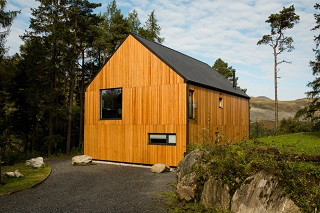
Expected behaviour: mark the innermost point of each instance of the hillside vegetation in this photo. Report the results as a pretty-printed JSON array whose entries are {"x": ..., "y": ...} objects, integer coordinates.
[
  {"x": 262, "y": 108},
  {"x": 293, "y": 159}
]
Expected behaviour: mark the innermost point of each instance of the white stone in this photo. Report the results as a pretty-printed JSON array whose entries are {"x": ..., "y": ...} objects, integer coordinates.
[
  {"x": 159, "y": 168},
  {"x": 10, "y": 174},
  {"x": 17, "y": 174},
  {"x": 81, "y": 160},
  {"x": 35, "y": 162}
]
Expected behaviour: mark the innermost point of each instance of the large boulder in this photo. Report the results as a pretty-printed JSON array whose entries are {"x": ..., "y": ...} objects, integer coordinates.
[
  {"x": 81, "y": 160},
  {"x": 260, "y": 193},
  {"x": 35, "y": 162},
  {"x": 159, "y": 168},
  {"x": 187, "y": 162},
  {"x": 187, "y": 187},
  {"x": 216, "y": 195}
]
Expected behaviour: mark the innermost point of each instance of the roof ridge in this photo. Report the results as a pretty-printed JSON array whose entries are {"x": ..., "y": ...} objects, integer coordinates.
[{"x": 134, "y": 34}]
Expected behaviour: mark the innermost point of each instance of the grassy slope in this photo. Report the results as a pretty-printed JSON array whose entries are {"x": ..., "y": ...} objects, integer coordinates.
[
  {"x": 298, "y": 143},
  {"x": 31, "y": 177}
]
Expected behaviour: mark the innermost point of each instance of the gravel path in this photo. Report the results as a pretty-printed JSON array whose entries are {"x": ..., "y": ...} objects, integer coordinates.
[{"x": 95, "y": 188}]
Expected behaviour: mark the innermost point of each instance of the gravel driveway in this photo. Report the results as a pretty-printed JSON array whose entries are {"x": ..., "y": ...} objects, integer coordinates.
[{"x": 95, "y": 188}]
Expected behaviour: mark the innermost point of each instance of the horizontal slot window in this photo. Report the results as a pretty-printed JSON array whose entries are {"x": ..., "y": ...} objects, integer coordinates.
[{"x": 162, "y": 139}]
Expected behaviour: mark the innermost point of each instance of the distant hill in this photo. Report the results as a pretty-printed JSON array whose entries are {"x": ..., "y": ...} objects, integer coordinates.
[{"x": 262, "y": 108}]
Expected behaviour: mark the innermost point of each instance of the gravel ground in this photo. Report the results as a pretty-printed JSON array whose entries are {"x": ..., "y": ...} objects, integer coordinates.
[{"x": 95, "y": 188}]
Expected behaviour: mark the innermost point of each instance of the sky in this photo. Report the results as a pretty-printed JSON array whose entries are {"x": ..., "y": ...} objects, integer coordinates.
[{"x": 226, "y": 29}]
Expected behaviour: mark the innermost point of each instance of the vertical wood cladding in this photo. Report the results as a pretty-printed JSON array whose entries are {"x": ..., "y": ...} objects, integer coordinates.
[
  {"x": 218, "y": 116},
  {"x": 153, "y": 101}
]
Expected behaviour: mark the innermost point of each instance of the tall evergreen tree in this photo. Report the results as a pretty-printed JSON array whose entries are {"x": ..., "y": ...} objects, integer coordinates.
[
  {"x": 223, "y": 68},
  {"x": 279, "y": 23},
  {"x": 227, "y": 71},
  {"x": 313, "y": 109},
  {"x": 49, "y": 24},
  {"x": 6, "y": 134},
  {"x": 151, "y": 29},
  {"x": 134, "y": 21},
  {"x": 80, "y": 18},
  {"x": 113, "y": 30}
]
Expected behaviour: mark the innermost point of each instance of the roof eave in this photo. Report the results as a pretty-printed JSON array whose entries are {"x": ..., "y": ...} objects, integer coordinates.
[{"x": 218, "y": 89}]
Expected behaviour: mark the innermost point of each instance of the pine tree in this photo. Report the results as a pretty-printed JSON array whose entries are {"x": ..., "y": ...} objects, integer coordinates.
[
  {"x": 151, "y": 29},
  {"x": 6, "y": 135},
  {"x": 279, "y": 23}
]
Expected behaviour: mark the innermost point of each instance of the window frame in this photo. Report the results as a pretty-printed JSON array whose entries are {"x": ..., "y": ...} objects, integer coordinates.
[
  {"x": 220, "y": 102},
  {"x": 191, "y": 111},
  {"x": 117, "y": 109},
  {"x": 167, "y": 139}
]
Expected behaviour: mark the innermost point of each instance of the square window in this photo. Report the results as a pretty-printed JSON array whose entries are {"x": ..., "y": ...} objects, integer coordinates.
[
  {"x": 111, "y": 104},
  {"x": 162, "y": 139}
]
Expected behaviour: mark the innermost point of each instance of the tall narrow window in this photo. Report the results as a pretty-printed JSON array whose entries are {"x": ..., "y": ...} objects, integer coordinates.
[
  {"x": 190, "y": 105},
  {"x": 111, "y": 104},
  {"x": 221, "y": 103}
]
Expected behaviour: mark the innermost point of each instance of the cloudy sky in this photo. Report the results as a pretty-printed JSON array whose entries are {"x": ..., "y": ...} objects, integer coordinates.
[{"x": 226, "y": 29}]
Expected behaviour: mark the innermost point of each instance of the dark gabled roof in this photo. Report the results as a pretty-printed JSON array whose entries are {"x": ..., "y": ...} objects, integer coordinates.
[{"x": 191, "y": 70}]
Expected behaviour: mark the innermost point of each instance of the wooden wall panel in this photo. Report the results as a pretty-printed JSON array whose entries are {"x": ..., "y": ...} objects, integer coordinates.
[
  {"x": 230, "y": 123},
  {"x": 153, "y": 101}
]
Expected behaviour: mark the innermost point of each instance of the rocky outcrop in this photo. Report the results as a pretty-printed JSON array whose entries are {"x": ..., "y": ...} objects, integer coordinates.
[
  {"x": 35, "y": 162},
  {"x": 187, "y": 187},
  {"x": 81, "y": 160},
  {"x": 159, "y": 168},
  {"x": 216, "y": 195},
  {"x": 187, "y": 162},
  {"x": 260, "y": 193}
]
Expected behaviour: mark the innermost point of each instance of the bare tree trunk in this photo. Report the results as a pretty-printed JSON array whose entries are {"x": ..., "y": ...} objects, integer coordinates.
[{"x": 275, "y": 90}]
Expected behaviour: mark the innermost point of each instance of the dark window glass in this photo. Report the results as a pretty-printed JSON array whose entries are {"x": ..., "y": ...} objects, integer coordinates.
[
  {"x": 190, "y": 105},
  {"x": 162, "y": 139},
  {"x": 111, "y": 104}
]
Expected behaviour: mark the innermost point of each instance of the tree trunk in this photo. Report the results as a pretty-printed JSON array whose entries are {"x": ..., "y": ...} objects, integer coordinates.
[
  {"x": 72, "y": 83},
  {"x": 275, "y": 90},
  {"x": 81, "y": 104}
]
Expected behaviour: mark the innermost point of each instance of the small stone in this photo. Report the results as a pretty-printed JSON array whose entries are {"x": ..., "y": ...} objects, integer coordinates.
[
  {"x": 17, "y": 174},
  {"x": 10, "y": 174},
  {"x": 81, "y": 160},
  {"x": 159, "y": 168}
]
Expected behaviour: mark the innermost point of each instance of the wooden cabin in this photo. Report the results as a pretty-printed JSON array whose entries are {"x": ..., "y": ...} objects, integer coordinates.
[{"x": 149, "y": 102}]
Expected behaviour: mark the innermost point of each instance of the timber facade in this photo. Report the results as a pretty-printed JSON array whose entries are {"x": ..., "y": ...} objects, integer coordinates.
[{"x": 149, "y": 102}]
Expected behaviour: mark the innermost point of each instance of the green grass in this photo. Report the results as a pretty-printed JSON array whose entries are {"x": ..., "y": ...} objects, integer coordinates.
[
  {"x": 31, "y": 178},
  {"x": 298, "y": 143}
]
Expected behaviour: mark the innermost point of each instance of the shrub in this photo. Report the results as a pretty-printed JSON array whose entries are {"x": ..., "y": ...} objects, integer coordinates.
[{"x": 294, "y": 125}]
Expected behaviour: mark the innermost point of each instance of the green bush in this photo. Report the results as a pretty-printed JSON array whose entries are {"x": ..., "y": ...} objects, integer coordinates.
[{"x": 294, "y": 125}]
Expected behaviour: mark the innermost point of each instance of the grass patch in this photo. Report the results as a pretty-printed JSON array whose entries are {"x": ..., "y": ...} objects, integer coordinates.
[
  {"x": 31, "y": 178},
  {"x": 297, "y": 143}
]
